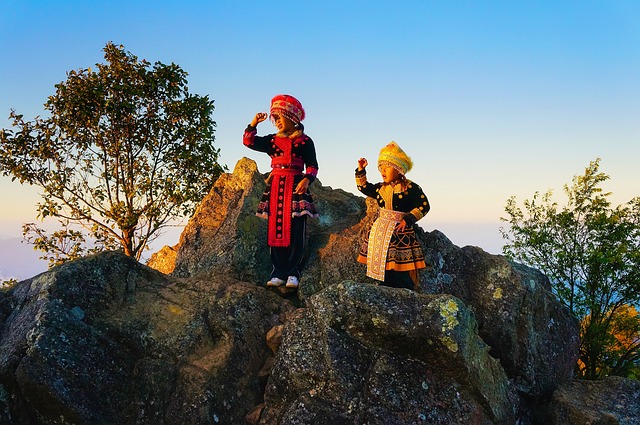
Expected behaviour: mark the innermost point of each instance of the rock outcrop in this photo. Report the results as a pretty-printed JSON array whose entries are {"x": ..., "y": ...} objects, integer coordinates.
[
  {"x": 375, "y": 355},
  {"x": 526, "y": 327},
  {"x": 612, "y": 400},
  {"x": 531, "y": 333},
  {"x": 225, "y": 237},
  {"x": 106, "y": 340},
  {"x": 164, "y": 260}
]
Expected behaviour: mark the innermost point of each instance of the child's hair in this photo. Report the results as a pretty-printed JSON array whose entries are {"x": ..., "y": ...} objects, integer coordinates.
[
  {"x": 402, "y": 180},
  {"x": 300, "y": 126}
]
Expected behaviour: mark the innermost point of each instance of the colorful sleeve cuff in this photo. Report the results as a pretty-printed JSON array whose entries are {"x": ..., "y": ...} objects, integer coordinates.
[
  {"x": 249, "y": 135},
  {"x": 361, "y": 177},
  {"x": 311, "y": 173},
  {"x": 416, "y": 214},
  {"x": 410, "y": 219}
]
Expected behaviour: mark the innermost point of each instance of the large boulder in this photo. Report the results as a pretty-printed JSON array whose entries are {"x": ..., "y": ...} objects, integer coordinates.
[
  {"x": 528, "y": 329},
  {"x": 224, "y": 236},
  {"x": 375, "y": 355},
  {"x": 106, "y": 340},
  {"x": 609, "y": 401}
]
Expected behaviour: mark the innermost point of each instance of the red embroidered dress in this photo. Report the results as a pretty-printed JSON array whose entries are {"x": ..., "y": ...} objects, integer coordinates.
[{"x": 292, "y": 159}]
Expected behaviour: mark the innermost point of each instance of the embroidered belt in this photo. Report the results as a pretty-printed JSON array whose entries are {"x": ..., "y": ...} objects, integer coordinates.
[
  {"x": 287, "y": 162},
  {"x": 379, "y": 239},
  {"x": 287, "y": 167},
  {"x": 279, "y": 234}
]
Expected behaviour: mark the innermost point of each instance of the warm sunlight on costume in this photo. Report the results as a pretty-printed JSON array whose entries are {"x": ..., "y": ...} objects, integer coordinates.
[{"x": 387, "y": 249}]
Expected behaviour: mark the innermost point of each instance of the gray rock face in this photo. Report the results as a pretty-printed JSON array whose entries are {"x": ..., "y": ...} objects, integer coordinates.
[
  {"x": 225, "y": 237},
  {"x": 531, "y": 333},
  {"x": 106, "y": 340},
  {"x": 365, "y": 354},
  {"x": 612, "y": 400}
]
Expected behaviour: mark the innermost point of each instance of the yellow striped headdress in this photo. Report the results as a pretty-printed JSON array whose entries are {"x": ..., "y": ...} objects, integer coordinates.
[{"x": 391, "y": 155}]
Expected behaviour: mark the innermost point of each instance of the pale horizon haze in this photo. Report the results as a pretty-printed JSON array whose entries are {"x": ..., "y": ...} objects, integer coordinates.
[{"x": 490, "y": 99}]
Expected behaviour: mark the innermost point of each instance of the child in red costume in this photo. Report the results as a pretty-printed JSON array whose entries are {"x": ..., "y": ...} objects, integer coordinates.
[
  {"x": 286, "y": 201},
  {"x": 391, "y": 252}
]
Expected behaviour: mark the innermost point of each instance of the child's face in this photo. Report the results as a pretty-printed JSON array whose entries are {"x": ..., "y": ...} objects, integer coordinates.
[
  {"x": 389, "y": 174},
  {"x": 284, "y": 124}
]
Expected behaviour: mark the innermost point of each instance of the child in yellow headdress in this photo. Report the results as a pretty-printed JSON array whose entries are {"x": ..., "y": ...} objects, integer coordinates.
[{"x": 391, "y": 252}]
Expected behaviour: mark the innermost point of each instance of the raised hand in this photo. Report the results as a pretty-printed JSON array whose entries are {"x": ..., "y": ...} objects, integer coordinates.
[
  {"x": 362, "y": 164},
  {"x": 260, "y": 116}
]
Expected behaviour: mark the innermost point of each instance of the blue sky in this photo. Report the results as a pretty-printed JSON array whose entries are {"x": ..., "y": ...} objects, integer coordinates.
[{"x": 490, "y": 99}]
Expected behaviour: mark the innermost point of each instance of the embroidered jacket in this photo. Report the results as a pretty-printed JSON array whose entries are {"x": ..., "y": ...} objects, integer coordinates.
[
  {"x": 295, "y": 152},
  {"x": 408, "y": 198},
  {"x": 292, "y": 159}
]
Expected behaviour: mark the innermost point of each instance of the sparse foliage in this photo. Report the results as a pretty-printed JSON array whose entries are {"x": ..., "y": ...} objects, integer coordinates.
[
  {"x": 591, "y": 254},
  {"x": 125, "y": 150},
  {"x": 8, "y": 283}
]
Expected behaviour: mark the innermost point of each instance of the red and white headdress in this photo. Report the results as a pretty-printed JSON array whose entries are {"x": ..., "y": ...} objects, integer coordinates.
[{"x": 287, "y": 106}]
